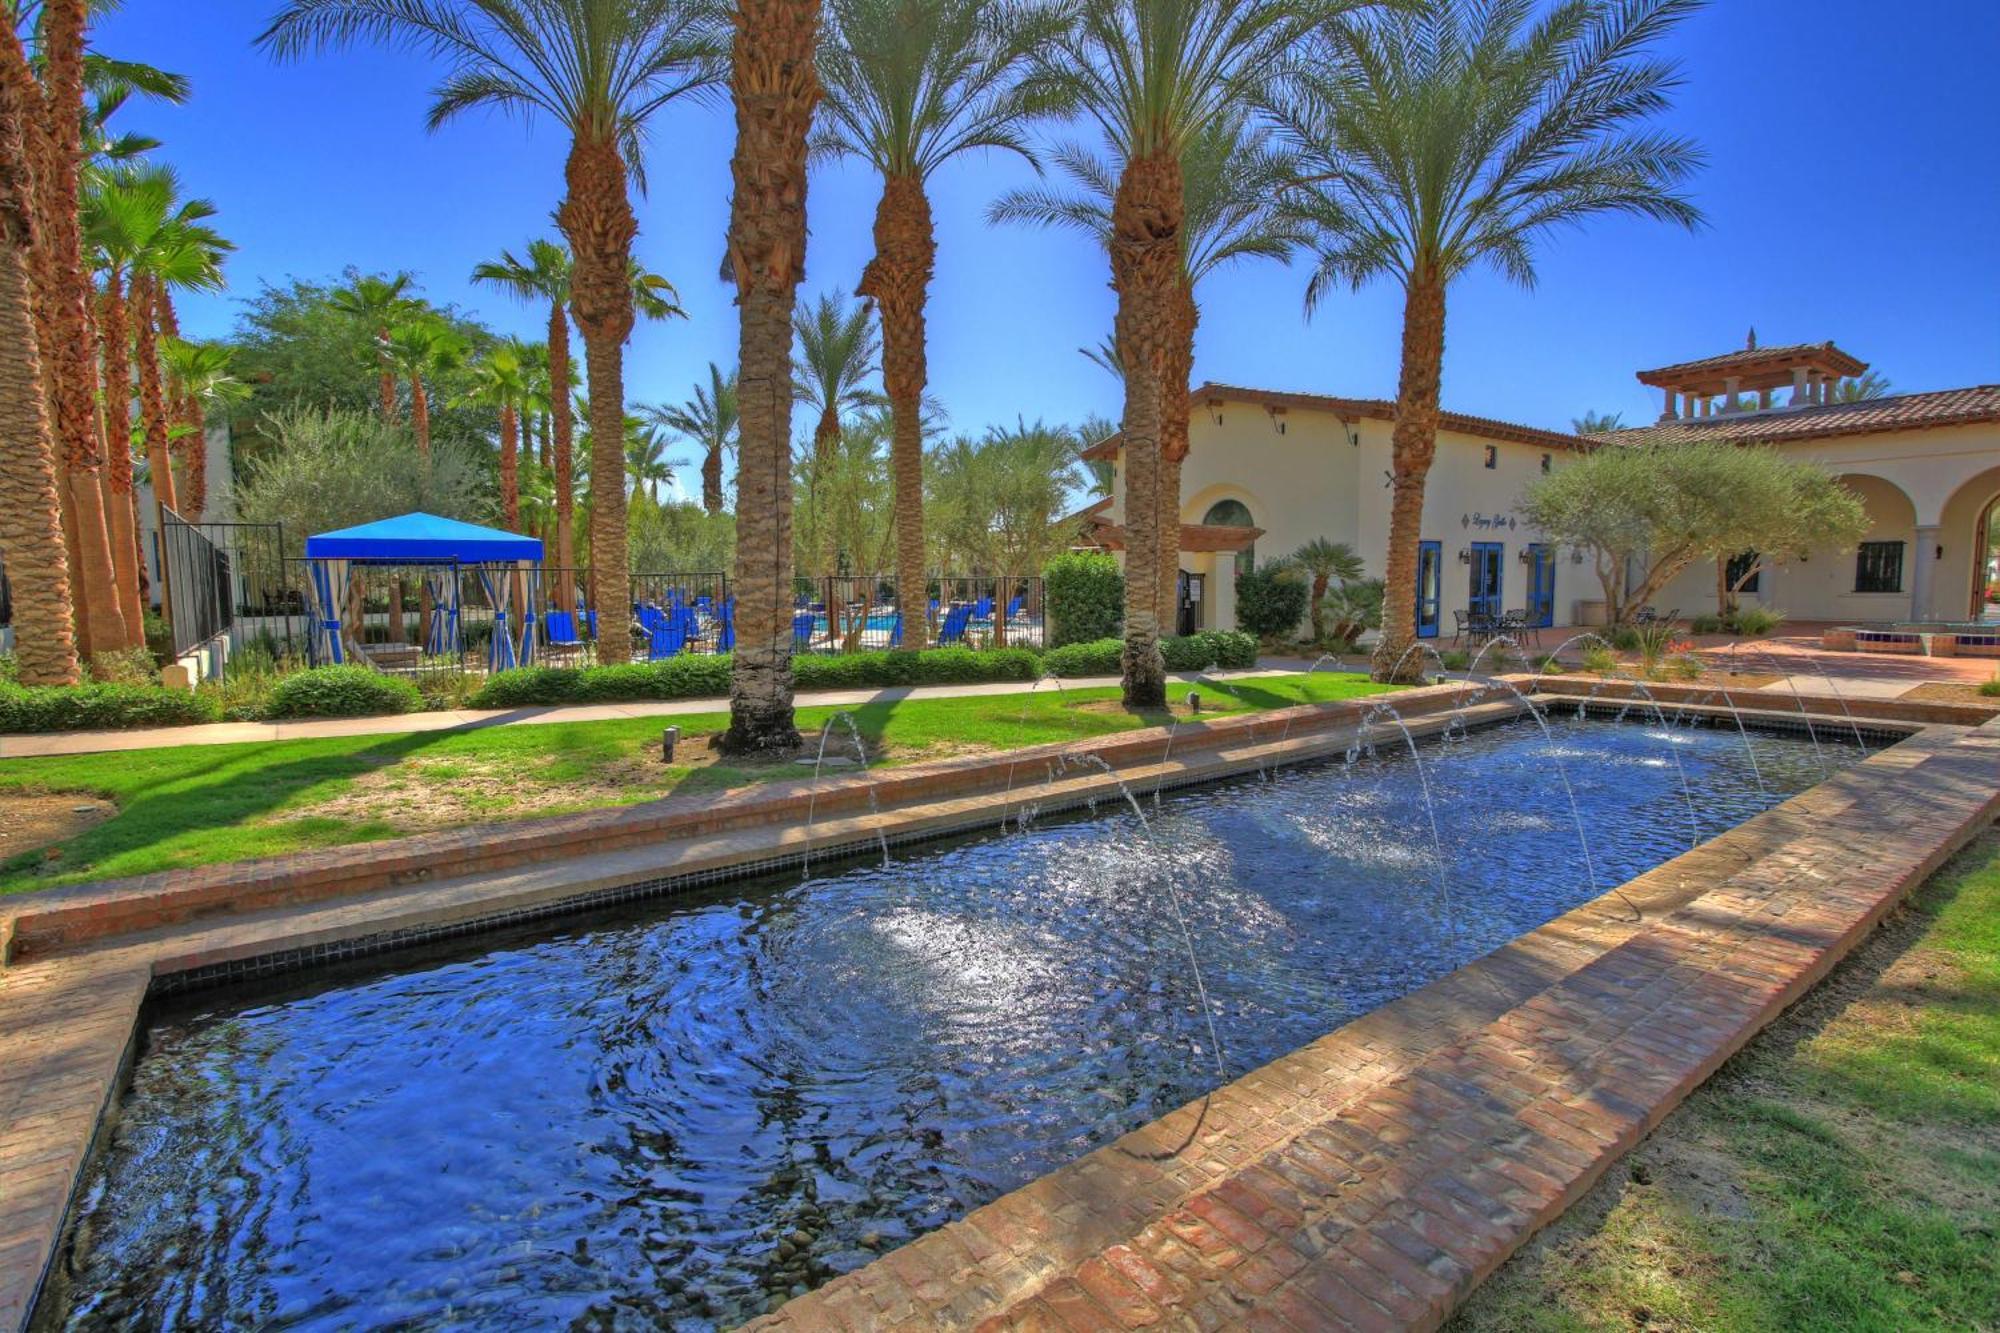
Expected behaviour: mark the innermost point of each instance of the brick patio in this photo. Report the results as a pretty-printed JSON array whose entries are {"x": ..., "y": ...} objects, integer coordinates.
[{"x": 1369, "y": 1179}]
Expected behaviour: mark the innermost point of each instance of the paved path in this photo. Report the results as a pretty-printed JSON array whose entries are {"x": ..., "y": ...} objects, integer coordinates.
[{"x": 474, "y": 719}]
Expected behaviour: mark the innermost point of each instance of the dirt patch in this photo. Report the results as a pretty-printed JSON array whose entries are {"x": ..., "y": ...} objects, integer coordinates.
[
  {"x": 28, "y": 823},
  {"x": 1954, "y": 692}
]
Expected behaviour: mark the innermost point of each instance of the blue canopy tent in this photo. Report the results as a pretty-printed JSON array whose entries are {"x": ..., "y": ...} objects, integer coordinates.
[{"x": 508, "y": 566}]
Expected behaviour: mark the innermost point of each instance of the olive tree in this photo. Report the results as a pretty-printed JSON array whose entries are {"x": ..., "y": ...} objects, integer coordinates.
[{"x": 1659, "y": 508}]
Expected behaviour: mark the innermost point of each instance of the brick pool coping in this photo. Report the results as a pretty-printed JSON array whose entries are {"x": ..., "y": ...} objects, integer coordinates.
[{"x": 82, "y": 961}]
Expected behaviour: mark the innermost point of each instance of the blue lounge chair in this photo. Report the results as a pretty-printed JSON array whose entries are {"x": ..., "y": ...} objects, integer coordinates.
[
  {"x": 982, "y": 608},
  {"x": 955, "y": 621},
  {"x": 562, "y": 630},
  {"x": 664, "y": 642},
  {"x": 802, "y": 632}
]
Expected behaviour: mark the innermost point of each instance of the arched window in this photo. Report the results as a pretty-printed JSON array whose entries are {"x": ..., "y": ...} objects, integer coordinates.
[{"x": 1233, "y": 514}]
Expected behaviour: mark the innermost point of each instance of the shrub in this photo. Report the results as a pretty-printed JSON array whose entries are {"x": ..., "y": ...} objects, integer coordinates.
[
  {"x": 1456, "y": 659},
  {"x": 1271, "y": 601},
  {"x": 341, "y": 691},
  {"x": 125, "y": 666},
  {"x": 932, "y": 666},
  {"x": 695, "y": 676},
  {"x": 10, "y": 669},
  {"x": 1234, "y": 649},
  {"x": 1351, "y": 610},
  {"x": 1100, "y": 657},
  {"x": 1990, "y": 688},
  {"x": 447, "y": 689},
  {"x": 1084, "y": 598},
  {"x": 1756, "y": 621},
  {"x": 1707, "y": 624},
  {"x": 1599, "y": 659},
  {"x": 101, "y": 707},
  {"x": 1190, "y": 653}
]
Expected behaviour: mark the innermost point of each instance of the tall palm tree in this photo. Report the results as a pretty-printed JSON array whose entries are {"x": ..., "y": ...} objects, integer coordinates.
[
  {"x": 773, "y": 86},
  {"x": 202, "y": 379},
  {"x": 911, "y": 84},
  {"x": 423, "y": 347},
  {"x": 180, "y": 254},
  {"x": 1458, "y": 134},
  {"x": 499, "y": 381},
  {"x": 67, "y": 345},
  {"x": 1593, "y": 422},
  {"x": 709, "y": 420},
  {"x": 1232, "y": 178},
  {"x": 377, "y": 304},
  {"x": 838, "y": 350},
  {"x": 31, "y": 530},
  {"x": 1862, "y": 388},
  {"x": 601, "y": 71},
  {"x": 1155, "y": 75}
]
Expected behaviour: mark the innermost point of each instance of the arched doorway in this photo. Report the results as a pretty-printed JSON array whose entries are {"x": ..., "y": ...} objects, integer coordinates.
[
  {"x": 1234, "y": 514},
  {"x": 1969, "y": 532}
]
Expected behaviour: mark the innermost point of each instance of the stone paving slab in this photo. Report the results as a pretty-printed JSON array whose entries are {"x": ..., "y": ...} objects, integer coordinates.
[{"x": 1372, "y": 1179}]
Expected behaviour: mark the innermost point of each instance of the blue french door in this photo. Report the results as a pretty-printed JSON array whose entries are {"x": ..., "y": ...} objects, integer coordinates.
[
  {"x": 1430, "y": 587},
  {"x": 1487, "y": 579},
  {"x": 1541, "y": 585}
]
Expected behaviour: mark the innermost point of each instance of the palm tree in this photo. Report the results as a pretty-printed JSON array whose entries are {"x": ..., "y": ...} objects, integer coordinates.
[
  {"x": 1232, "y": 179},
  {"x": 601, "y": 71},
  {"x": 423, "y": 347},
  {"x": 499, "y": 381},
  {"x": 646, "y": 459},
  {"x": 1597, "y": 423},
  {"x": 62, "y": 287},
  {"x": 774, "y": 86},
  {"x": 202, "y": 379},
  {"x": 1457, "y": 134},
  {"x": 377, "y": 304},
  {"x": 1326, "y": 561},
  {"x": 1862, "y": 388},
  {"x": 1156, "y": 75},
  {"x": 838, "y": 349},
  {"x": 182, "y": 255},
  {"x": 910, "y": 84},
  {"x": 31, "y": 530},
  {"x": 709, "y": 420}
]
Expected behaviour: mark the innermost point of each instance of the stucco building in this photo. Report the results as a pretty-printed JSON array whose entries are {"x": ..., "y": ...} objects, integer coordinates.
[{"x": 1268, "y": 471}]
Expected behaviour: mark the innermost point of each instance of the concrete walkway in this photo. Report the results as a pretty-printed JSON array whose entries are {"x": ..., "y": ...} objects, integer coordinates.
[{"x": 473, "y": 719}]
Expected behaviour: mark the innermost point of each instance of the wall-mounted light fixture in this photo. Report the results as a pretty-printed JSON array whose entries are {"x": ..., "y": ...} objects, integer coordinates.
[
  {"x": 1277, "y": 417},
  {"x": 1525, "y": 556},
  {"x": 1464, "y": 555},
  {"x": 1353, "y": 435},
  {"x": 1215, "y": 409}
]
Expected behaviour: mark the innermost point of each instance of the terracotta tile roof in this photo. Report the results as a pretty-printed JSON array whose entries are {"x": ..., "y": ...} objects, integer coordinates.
[
  {"x": 1369, "y": 409},
  {"x": 1194, "y": 536},
  {"x": 1745, "y": 359},
  {"x": 1871, "y": 416}
]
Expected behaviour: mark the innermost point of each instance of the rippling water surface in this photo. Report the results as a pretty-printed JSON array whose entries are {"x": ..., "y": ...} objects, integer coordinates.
[{"x": 682, "y": 1112}]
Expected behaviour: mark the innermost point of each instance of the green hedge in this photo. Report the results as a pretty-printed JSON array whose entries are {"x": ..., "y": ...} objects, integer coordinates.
[
  {"x": 932, "y": 666},
  {"x": 341, "y": 691},
  {"x": 697, "y": 677},
  {"x": 1083, "y": 598},
  {"x": 1271, "y": 601},
  {"x": 1195, "y": 652},
  {"x": 101, "y": 707}
]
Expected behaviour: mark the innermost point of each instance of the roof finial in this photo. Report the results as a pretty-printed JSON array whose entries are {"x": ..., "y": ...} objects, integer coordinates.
[{"x": 1751, "y": 344}]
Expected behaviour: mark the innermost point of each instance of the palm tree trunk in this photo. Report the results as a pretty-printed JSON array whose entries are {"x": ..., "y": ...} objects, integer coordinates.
[
  {"x": 420, "y": 413},
  {"x": 510, "y": 468},
  {"x": 1412, "y": 447},
  {"x": 31, "y": 527},
  {"x": 826, "y": 445},
  {"x": 711, "y": 479},
  {"x": 115, "y": 336},
  {"x": 774, "y": 86},
  {"x": 152, "y": 398},
  {"x": 385, "y": 382},
  {"x": 564, "y": 430},
  {"x": 898, "y": 279},
  {"x": 597, "y": 219},
  {"x": 185, "y": 410},
  {"x": 1145, "y": 269},
  {"x": 69, "y": 359},
  {"x": 1174, "y": 448}
]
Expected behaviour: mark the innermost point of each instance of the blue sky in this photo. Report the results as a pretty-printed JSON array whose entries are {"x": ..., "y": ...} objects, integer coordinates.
[{"x": 1852, "y": 192}]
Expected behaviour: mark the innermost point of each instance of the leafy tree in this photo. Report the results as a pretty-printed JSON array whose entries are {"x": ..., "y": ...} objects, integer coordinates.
[
  {"x": 909, "y": 86},
  {"x": 601, "y": 71},
  {"x": 340, "y": 467},
  {"x": 1155, "y": 75},
  {"x": 680, "y": 537},
  {"x": 999, "y": 499},
  {"x": 1326, "y": 562},
  {"x": 1662, "y": 507},
  {"x": 1441, "y": 137},
  {"x": 296, "y": 346}
]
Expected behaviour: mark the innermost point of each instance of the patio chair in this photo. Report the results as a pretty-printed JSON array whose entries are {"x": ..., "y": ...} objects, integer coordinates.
[
  {"x": 665, "y": 642},
  {"x": 1459, "y": 627},
  {"x": 955, "y": 621},
  {"x": 1516, "y": 626},
  {"x": 802, "y": 632}
]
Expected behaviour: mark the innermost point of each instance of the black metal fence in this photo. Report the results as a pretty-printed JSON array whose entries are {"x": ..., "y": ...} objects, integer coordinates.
[{"x": 200, "y": 596}]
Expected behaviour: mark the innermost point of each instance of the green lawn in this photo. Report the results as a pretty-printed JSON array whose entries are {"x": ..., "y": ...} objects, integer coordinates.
[
  {"x": 1843, "y": 1172},
  {"x": 196, "y": 805}
]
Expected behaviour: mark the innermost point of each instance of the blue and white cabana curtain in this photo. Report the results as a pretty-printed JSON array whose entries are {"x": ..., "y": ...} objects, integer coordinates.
[
  {"x": 513, "y": 642},
  {"x": 329, "y": 581},
  {"x": 441, "y": 635}
]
